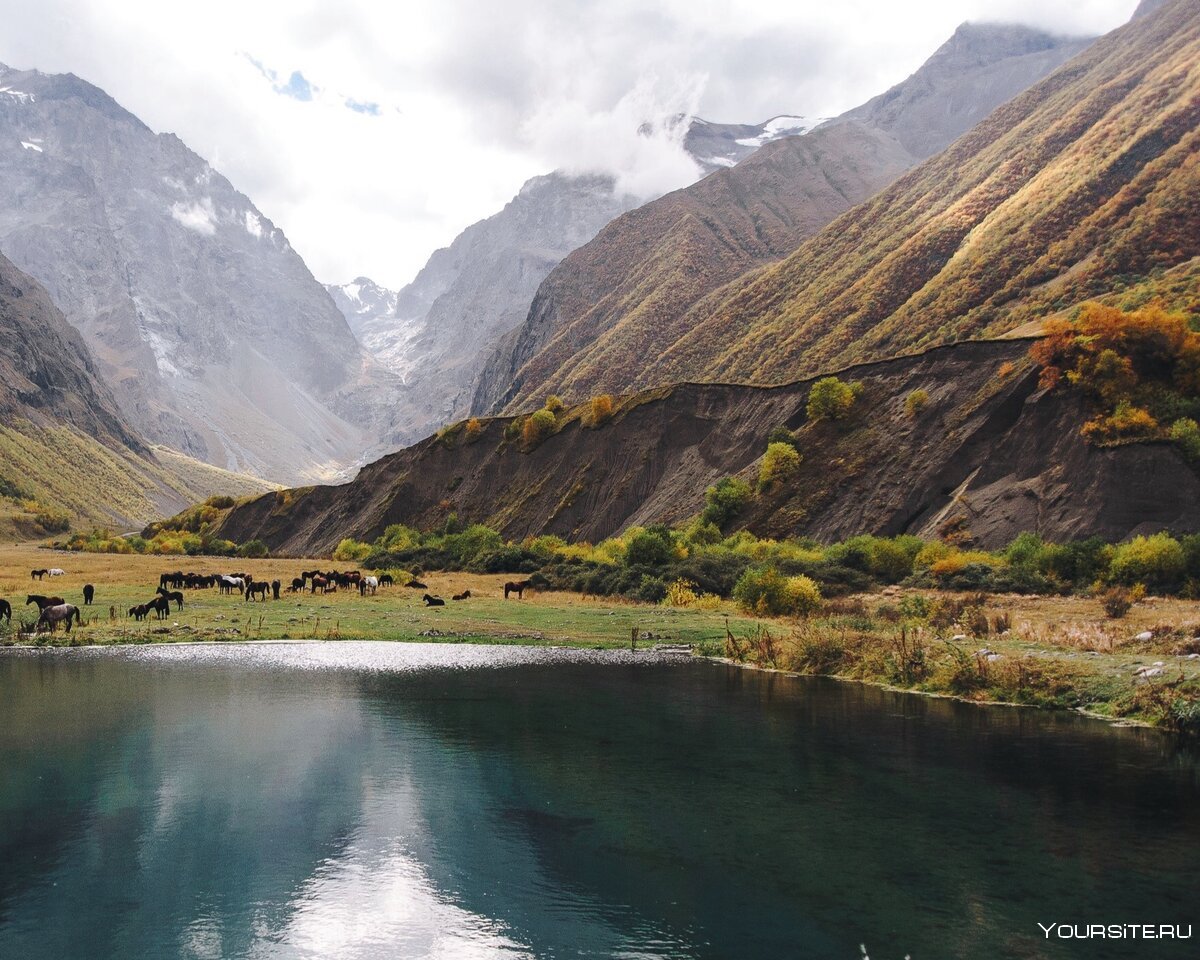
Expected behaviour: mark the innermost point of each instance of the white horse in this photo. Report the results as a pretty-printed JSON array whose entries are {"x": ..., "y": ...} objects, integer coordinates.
[{"x": 56, "y": 571}]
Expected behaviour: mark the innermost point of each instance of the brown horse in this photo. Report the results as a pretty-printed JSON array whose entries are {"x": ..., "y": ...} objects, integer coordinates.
[
  {"x": 43, "y": 602},
  {"x": 259, "y": 588},
  {"x": 465, "y": 595},
  {"x": 517, "y": 587}
]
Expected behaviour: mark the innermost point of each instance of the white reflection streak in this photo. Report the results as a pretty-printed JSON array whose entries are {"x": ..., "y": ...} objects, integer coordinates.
[{"x": 387, "y": 908}]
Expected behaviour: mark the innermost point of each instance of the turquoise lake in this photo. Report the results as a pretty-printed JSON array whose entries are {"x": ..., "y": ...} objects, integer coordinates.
[{"x": 370, "y": 801}]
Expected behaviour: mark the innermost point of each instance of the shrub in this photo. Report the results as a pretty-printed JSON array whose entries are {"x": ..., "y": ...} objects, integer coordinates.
[
  {"x": 779, "y": 464},
  {"x": 554, "y": 404},
  {"x": 472, "y": 430},
  {"x": 513, "y": 429},
  {"x": 1185, "y": 433},
  {"x": 891, "y": 560},
  {"x": 53, "y": 521},
  {"x": 725, "y": 500},
  {"x": 765, "y": 591},
  {"x": 600, "y": 410},
  {"x": 538, "y": 426},
  {"x": 784, "y": 435},
  {"x": 352, "y": 550},
  {"x": 684, "y": 593},
  {"x": 1118, "y": 600},
  {"x": 650, "y": 548},
  {"x": 1158, "y": 562},
  {"x": 915, "y": 402},
  {"x": 253, "y": 548},
  {"x": 831, "y": 399}
]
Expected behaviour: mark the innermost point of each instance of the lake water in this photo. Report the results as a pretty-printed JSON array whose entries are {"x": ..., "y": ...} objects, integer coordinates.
[{"x": 396, "y": 800}]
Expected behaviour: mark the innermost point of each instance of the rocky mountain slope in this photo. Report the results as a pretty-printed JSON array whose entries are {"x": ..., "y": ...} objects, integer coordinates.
[
  {"x": 437, "y": 332},
  {"x": 991, "y": 456},
  {"x": 206, "y": 324},
  {"x": 1084, "y": 184},
  {"x": 624, "y": 297},
  {"x": 67, "y": 454}
]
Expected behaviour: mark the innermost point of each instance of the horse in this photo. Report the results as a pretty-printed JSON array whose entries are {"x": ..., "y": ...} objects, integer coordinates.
[
  {"x": 417, "y": 584},
  {"x": 465, "y": 595},
  {"x": 60, "y": 612},
  {"x": 229, "y": 584},
  {"x": 297, "y": 585},
  {"x": 138, "y": 612},
  {"x": 161, "y": 607},
  {"x": 56, "y": 572},
  {"x": 259, "y": 587},
  {"x": 88, "y": 592},
  {"x": 386, "y": 580},
  {"x": 43, "y": 602},
  {"x": 319, "y": 581},
  {"x": 6, "y": 611},
  {"x": 367, "y": 583},
  {"x": 275, "y": 585},
  {"x": 37, "y": 574},
  {"x": 517, "y": 587},
  {"x": 433, "y": 601},
  {"x": 175, "y": 595}
]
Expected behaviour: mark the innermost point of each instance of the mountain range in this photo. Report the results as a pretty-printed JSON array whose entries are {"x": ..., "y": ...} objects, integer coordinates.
[
  {"x": 599, "y": 318},
  {"x": 208, "y": 327}
]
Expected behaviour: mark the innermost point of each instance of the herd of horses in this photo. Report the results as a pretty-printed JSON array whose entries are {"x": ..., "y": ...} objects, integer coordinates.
[{"x": 53, "y": 611}]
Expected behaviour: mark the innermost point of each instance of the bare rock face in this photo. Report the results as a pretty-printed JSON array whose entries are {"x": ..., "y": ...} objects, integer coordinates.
[
  {"x": 206, "y": 324},
  {"x": 683, "y": 246},
  {"x": 436, "y": 332},
  {"x": 47, "y": 375}
]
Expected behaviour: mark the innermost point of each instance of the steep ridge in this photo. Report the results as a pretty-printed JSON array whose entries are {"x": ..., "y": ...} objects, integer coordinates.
[
  {"x": 623, "y": 297},
  {"x": 67, "y": 453},
  {"x": 992, "y": 455},
  {"x": 206, "y": 324},
  {"x": 1084, "y": 184}
]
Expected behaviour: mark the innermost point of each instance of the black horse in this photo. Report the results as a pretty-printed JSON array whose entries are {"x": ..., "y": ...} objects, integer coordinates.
[
  {"x": 88, "y": 592},
  {"x": 138, "y": 612},
  {"x": 386, "y": 580},
  {"x": 6, "y": 611},
  {"x": 417, "y": 584},
  {"x": 275, "y": 587},
  {"x": 465, "y": 595},
  {"x": 433, "y": 601},
  {"x": 161, "y": 607},
  {"x": 174, "y": 595},
  {"x": 297, "y": 585},
  {"x": 37, "y": 574},
  {"x": 257, "y": 588}
]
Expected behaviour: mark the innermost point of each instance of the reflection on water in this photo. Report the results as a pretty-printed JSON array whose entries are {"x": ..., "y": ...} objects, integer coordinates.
[{"x": 396, "y": 800}]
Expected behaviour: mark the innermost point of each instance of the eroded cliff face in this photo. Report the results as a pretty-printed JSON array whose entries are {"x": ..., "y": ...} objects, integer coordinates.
[
  {"x": 205, "y": 323},
  {"x": 991, "y": 454}
]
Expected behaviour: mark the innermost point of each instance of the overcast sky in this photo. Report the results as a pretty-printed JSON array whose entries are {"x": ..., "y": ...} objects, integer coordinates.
[{"x": 373, "y": 132}]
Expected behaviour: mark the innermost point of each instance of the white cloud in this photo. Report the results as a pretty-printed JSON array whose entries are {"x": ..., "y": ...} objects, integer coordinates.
[
  {"x": 198, "y": 215},
  {"x": 428, "y": 115}
]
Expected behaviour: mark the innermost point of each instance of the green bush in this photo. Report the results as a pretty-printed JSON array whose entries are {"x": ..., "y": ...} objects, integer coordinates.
[
  {"x": 1185, "y": 433},
  {"x": 538, "y": 426},
  {"x": 351, "y": 550},
  {"x": 831, "y": 399},
  {"x": 653, "y": 547},
  {"x": 253, "y": 548},
  {"x": 724, "y": 501},
  {"x": 779, "y": 464},
  {"x": 1158, "y": 562},
  {"x": 767, "y": 592},
  {"x": 916, "y": 402},
  {"x": 784, "y": 435}
]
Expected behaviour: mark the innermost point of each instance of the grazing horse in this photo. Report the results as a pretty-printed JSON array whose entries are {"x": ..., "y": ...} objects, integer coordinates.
[
  {"x": 43, "y": 602},
  {"x": 367, "y": 583},
  {"x": 465, "y": 595},
  {"x": 433, "y": 601},
  {"x": 139, "y": 612},
  {"x": 386, "y": 580},
  {"x": 37, "y": 574},
  {"x": 417, "y": 584},
  {"x": 257, "y": 587},
  {"x": 88, "y": 592},
  {"x": 6, "y": 611},
  {"x": 517, "y": 587},
  {"x": 53, "y": 616},
  {"x": 297, "y": 585},
  {"x": 56, "y": 572},
  {"x": 275, "y": 585},
  {"x": 175, "y": 595}
]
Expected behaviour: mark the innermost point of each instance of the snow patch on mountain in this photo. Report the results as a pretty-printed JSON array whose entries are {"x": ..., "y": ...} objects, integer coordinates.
[{"x": 197, "y": 215}]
